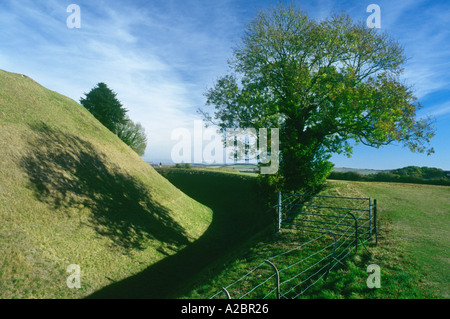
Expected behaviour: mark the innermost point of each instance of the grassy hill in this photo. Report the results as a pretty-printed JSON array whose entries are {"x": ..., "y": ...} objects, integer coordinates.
[{"x": 72, "y": 193}]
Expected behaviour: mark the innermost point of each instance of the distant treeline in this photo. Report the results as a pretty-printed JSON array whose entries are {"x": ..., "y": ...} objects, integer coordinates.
[
  {"x": 183, "y": 165},
  {"x": 409, "y": 174}
]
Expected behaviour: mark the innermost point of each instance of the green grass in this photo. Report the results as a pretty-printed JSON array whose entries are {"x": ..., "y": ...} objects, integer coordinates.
[
  {"x": 239, "y": 219},
  {"x": 420, "y": 219},
  {"x": 412, "y": 251},
  {"x": 72, "y": 193}
]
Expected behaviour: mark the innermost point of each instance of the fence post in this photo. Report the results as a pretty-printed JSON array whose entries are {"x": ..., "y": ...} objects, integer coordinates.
[
  {"x": 277, "y": 277},
  {"x": 375, "y": 220},
  {"x": 225, "y": 291},
  {"x": 356, "y": 231},
  {"x": 279, "y": 211}
]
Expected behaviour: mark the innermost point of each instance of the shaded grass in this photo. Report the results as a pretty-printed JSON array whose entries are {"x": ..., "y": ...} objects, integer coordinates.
[
  {"x": 71, "y": 192},
  {"x": 122, "y": 207},
  {"x": 404, "y": 274},
  {"x": 238, "y": 221}
]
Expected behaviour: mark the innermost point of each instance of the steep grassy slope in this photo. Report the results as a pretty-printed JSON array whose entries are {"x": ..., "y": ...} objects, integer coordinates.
[{"x": 72, "y": 193}]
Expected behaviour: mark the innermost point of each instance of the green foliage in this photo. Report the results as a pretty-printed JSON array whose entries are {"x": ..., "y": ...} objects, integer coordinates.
[
  {"x": 101, "y": 101},
  {"x": 410, "y": 174},
  {"x": 179, "y": 165},
  {"x": 348, "y": 176},
  {"x": 422, "y": 172},
  {"x": 132, "y": 134},
  {"x": 322, "y": 83}
]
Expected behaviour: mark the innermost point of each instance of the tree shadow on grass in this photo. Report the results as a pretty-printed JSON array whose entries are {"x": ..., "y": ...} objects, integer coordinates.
[
  {"x": 67, "y": 172},
  {"x": 238, "y": 217}
]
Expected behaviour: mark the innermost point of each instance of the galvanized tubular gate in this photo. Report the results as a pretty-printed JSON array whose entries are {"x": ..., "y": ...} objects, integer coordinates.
[
  {"x": 320, "y": 214},
  {"x": 348, "y": 222}
]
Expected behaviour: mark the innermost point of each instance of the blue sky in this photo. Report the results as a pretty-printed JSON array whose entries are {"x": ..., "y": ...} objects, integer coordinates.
[{"x": 161, "y": 56}]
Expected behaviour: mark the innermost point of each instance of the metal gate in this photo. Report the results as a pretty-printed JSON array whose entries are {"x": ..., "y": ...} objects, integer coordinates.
[
  {"x": 323, "y": 214},
  {"x": 342, "y": 224}
]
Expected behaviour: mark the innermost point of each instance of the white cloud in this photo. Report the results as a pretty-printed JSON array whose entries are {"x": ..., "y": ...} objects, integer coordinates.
[
  {"x": 158, "y": 68},
  {"x": 438, "y": 111},
  {"x": 425, "y": 37},
  {"x": 161, "y": 56}
]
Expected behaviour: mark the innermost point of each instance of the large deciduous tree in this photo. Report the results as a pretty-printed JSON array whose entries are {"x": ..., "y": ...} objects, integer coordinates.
[{"x": 323, "y": 84}]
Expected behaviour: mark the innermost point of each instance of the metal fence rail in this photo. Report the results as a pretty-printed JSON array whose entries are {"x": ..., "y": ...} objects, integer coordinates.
[
  {"x": 318, "y": 213},
  {"x": 341, "y": 233}
]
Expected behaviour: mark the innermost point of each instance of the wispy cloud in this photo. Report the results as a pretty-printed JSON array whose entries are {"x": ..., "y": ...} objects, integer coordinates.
[
  {"x": 160, "y": 56},
  {"x": 438, "y": 111},
  {"x": 157, "y": 56},
  {"x": 420, "y": 27}
]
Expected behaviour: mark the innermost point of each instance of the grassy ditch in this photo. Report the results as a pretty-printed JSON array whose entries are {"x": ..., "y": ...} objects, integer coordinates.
[{"x": 409, "y": 269}]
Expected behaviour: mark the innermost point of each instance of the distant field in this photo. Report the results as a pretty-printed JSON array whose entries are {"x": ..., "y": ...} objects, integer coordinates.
[
  {"x": 252, "y": 168},
  {"x": 358, "y": 170},
  {"x": 242, "y": 168}
]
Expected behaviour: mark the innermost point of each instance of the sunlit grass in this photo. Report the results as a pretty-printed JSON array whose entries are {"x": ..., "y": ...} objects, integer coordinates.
[
  {"x": 72, "y": 193},
  {"x": 412, "y": 250}
]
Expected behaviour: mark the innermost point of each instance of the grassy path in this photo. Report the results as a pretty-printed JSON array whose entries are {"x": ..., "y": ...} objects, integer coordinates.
[{"x": 237, "y": 218}]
